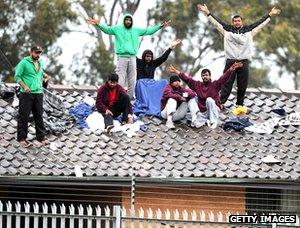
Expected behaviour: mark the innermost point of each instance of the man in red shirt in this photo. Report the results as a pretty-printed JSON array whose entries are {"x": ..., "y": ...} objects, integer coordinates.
[
  {"x": 208, "y": 92},
  {"x": 112, "y": 101}
]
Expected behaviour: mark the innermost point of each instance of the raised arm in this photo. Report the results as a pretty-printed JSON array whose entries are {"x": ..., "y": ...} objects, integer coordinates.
[
  {"x": 153, "y": 29},
  {"x": 187, "y": 79},
  {"x": 160, "y": 60},
  {"x": 257, "y": 26},
  {"x": 149, "y": 30},
  {"x": 223, "y": 79},
  {"x": 220, "y": 25},
  {"x": 104, "y": 28}
]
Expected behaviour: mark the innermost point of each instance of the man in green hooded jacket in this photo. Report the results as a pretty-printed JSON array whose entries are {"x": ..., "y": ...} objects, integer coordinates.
[{"x": 126, "y": 47}]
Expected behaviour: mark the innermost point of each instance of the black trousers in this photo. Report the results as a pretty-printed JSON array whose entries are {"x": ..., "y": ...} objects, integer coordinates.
[
  {"x": 30, "y": 102},
  {"x": 242, "y": 76},
  {"x": 122, "y": 106}
]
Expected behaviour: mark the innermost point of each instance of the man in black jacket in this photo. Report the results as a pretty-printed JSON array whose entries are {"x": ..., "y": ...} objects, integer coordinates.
[
  {"x": 238, "y": 45},
  {"x": 147, "y": 65}
]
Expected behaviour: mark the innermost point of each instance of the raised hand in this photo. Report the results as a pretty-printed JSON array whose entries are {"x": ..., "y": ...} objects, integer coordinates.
[
  {"x": 171, "y": 69},
  {"x": 274, "y": 11},
  {"x": 92, "y": 21},
  {"x": 236, "y": 65},
  {"x": 203, "y": 8},
  {"x": 165, "y": 24},
  {"x": 175, "y": 43}
]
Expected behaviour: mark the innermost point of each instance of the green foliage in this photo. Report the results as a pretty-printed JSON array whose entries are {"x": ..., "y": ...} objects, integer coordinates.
[
  {"x": 259, "y": 78},
  {"x": 101, "y": 61},
  {"x": 282, "y": 40},
  {"x": 24, "y": 23}
]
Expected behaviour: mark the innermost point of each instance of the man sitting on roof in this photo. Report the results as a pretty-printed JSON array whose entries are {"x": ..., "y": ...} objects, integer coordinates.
[
  {"x": 208, "y": 92},
  {"x": 112, "y": 101},
  {"x": 175, "y": 102}
]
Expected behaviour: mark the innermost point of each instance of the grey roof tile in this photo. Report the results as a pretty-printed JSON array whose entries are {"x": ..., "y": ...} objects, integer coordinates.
[{"x": 183, "y": 152}]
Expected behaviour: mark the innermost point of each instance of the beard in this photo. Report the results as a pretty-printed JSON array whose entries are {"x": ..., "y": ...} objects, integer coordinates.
[{"x": 35, "y": 58}]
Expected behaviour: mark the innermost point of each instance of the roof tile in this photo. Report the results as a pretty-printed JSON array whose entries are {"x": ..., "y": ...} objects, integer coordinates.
[{"x": 183, "y": 152}]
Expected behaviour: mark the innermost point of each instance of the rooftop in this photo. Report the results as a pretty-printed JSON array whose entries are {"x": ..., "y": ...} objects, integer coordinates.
[{"x": 184, "y": 152}]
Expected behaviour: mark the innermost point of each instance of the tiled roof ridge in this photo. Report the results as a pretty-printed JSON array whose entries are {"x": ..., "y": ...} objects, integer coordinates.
[{"x": 93, "y": 88}]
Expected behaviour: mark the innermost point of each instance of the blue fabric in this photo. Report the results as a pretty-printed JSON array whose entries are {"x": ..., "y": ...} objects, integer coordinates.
[
  {"x": 279, "y": 111},
  {"x": 148, "y": 94},
  {"x": 81, "y": 112},
  {"x": 237, "y": 124}
]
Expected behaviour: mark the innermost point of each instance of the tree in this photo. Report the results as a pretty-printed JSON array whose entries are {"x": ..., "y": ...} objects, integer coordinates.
[
  {"x": 281, "y": 41},
  {"x": 186, "y": 26},
  {"x": 24, "y": 23}
]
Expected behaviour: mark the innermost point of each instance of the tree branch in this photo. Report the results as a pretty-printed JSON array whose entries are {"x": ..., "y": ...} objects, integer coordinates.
[{"x": 73, "y": 30}]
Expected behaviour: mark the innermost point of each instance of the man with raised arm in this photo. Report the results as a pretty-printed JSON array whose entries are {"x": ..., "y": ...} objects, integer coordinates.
[
  {"x": 207, "y": 92},
  {"x": 238, "y": 45},
  {"x": 146, "y": 66},
  {"x": 126, "y": 47}
]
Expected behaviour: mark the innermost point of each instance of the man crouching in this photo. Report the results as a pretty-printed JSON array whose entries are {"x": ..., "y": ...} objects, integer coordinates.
[{"x": 112, "y": 101}]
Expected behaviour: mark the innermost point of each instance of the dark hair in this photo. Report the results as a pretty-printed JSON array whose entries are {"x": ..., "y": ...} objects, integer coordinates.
[
  {"x": 127, "y": 16},
  {"x": 205, "y": 70},
  {"x": 174, "y": 78},
  {"x": 113, "y": 77},
  {"x": 236, "y": 16}
]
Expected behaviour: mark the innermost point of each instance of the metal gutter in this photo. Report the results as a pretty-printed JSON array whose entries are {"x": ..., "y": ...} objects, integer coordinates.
[{"x": 125, "y": 181}]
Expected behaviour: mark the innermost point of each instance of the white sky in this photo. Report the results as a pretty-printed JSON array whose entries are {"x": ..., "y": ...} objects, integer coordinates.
[{"x": 74, "y": 43}]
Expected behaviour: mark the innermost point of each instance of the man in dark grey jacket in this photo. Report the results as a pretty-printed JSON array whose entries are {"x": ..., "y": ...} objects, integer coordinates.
[{"x": 238, "y": 45}]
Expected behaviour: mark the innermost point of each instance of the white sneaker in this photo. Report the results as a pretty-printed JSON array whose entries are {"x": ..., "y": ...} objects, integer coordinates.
[
  {"x": 170, "y": 125},
  {"x": 213, "y": 125},
  {"x": 196, "y": 124},
  {"x": 208, "y": 123}
]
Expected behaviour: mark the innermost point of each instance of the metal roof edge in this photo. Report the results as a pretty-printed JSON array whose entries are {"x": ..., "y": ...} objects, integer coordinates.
[{"x": 125, "y": 181}]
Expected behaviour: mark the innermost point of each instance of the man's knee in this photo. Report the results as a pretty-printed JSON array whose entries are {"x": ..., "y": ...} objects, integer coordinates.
[
  {"x": 210, "y": 100},
  {"x": 126, "y": 98},
  {"x": 171, "y": 101}
]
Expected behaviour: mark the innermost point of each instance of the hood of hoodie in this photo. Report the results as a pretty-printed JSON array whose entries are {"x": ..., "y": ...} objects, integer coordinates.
[
  {"x": 147, "y": 51},
  {"x": 127, "y": 15}
]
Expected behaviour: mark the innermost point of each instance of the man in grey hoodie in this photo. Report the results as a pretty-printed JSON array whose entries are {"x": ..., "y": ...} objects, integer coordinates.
[{"x": 238, "y": 45}]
